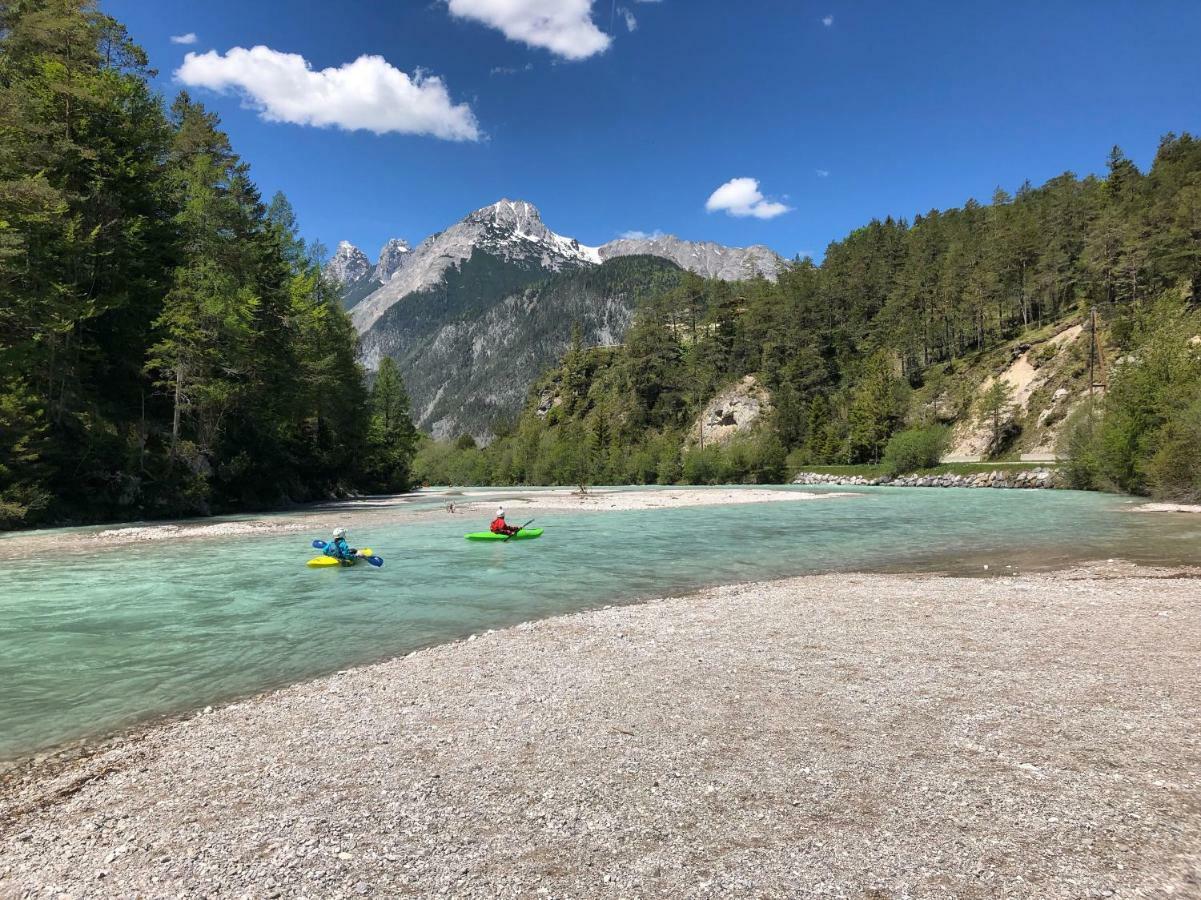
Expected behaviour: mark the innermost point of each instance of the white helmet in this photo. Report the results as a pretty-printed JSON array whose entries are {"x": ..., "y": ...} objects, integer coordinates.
[
  {"x": 500, "y": 511},
  {"x": 339, "y": 532}
]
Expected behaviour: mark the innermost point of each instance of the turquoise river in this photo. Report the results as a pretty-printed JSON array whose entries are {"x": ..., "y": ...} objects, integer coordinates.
[{"x": 95, "y": 638}]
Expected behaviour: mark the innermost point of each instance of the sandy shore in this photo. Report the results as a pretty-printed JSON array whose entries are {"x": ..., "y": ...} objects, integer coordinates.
[{"x": 831, "y": 736}]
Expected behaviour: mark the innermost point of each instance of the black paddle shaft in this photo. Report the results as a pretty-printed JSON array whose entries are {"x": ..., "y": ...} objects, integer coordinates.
[{"x": 517, "y": 532}]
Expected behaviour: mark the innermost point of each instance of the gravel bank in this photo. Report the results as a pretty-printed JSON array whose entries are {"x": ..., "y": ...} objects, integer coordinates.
[
  {"x": 833, "y": 736},
  {"x": 658, "y": 498}
]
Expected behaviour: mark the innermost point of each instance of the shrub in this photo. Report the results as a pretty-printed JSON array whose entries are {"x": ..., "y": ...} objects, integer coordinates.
[
  {"x": 766, "y": 459},
  {"x": 1174, "y": 472},
  {"x": 1042, "y": 354},
  {"x": 797, "y": 461},
  {"x": 1143, "y": 439},
  {"x": 1077, "y": 448},
  {"x": 915, "y": 448},
  {"x": 702, "y": 466}
]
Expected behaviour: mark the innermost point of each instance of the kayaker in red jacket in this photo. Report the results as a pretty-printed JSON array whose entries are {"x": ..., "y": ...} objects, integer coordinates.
[{"x": 500, "y": 526}]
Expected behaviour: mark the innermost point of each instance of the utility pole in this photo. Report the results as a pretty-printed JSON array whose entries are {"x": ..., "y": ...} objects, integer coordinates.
[{"x": 1092, "y": 352}]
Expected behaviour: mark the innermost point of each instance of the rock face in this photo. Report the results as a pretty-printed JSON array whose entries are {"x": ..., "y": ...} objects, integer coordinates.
[
  {"x": 508, "y": 230},
  {"x": 348, "y": 264},
  {"x": 391, "y": 257},
  {"x": 1027, "y": 377},
  {"x": 733, "y": 411},
  {"x": 704, "y": 258}
]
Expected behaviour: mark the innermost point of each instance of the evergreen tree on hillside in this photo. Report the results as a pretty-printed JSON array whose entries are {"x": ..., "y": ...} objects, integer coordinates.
[
  {"x": 81, "y": 245},
  {"x": 167, "y": 343},
  {"x": 876, "y": 408},
  {"x": 393, "y": 437},
  {"x": 993, "y": 410}
]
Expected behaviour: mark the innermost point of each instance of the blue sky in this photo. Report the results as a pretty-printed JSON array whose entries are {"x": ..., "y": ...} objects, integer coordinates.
[{"x": 840, "y": 110}]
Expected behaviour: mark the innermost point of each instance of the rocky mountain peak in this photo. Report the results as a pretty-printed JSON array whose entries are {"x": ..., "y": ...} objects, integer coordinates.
[
  {"x": 705, "y": 258},
  {"x": 348, "y": 264},
  {"x": 511, "y": 215},
  {"x": 391, "y": 257}
]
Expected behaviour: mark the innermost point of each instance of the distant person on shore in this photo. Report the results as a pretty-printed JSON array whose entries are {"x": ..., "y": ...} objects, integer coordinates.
[
  {"x": 340, "y": 550},
  {"x": 500, "y": 526}
]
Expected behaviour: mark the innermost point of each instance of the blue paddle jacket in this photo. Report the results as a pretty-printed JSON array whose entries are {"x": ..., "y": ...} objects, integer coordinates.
[{"x": 339, "y": 549}]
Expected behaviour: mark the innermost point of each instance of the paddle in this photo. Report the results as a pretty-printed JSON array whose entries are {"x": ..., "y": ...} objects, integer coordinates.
[
  {"x": 517, "y": 532},
  {"x": 376, "y": 561}
]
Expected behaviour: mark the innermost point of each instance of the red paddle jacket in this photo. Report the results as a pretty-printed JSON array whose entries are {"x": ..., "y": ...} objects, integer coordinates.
[{"x": 499, "y": 525}]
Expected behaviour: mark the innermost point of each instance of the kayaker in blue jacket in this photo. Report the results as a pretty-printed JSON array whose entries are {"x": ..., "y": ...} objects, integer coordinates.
[{"x": 340, "y": 550}]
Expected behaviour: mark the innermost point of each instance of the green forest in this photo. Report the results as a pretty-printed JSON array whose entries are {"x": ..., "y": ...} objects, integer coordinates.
[
  {"x": 854, "y": 350},
  {"x": 168, "y": 345}
]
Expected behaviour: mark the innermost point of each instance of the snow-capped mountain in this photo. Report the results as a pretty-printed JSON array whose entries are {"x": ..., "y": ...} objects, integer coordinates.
[
  {"x": 704, "y": 258},
  {"x": 509, "y": 230},
  {"x": 348, "y": 264},
  {"x": 391, "y": 257},
  {"x": 474, "y": 314}
]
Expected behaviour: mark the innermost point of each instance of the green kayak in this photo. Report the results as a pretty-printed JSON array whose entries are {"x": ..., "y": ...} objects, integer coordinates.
[{"x": 524, "y": 535}]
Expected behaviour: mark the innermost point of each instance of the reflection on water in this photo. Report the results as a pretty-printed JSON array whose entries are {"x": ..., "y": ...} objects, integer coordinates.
[{"x": 90, "y": 642}]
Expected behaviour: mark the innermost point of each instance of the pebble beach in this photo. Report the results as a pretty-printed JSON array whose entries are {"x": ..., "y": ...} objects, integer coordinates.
[{"x": 866, "y": 736}]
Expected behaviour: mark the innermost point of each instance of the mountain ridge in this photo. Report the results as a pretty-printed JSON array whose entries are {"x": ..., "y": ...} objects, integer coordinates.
[
  {"x": 520, "y": 225},
  {"x": 498, "y": 286}
]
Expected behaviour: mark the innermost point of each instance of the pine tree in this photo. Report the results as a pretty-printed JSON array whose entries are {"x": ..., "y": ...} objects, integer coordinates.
[
  {"x": 393, "y": 436},
  {"x": 877, "y": 405},
  {"x": 993, "y": 409}
]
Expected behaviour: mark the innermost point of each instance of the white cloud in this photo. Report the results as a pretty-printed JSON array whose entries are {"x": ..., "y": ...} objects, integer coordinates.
[
  {"x": 636, "y": 235},
  {"x": 827, "y": 21},
  {"x": 741, "y": 197},
  {"x": 368, "y": 94},
  {"x": 822, "y": 173},
  {"x": 631, "y": 22},
  {"x": 564, "y": 27},
  {"x": 189, "y": 38}
]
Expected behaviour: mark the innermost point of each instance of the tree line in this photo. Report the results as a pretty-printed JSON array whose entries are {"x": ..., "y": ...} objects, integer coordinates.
[
  {"x": 168, "y": 343},
  {"x": 854, "y": 350}
]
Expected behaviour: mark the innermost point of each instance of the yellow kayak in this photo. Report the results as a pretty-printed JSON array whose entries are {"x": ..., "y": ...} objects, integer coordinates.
[{"x": 329, "y": 562}]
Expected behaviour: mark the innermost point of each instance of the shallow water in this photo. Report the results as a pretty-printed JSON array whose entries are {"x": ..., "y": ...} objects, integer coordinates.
[{"x": 96, "y": 640}]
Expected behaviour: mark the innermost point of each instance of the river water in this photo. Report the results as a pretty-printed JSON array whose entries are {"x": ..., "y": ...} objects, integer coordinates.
[{"x": 102, "y": 637}]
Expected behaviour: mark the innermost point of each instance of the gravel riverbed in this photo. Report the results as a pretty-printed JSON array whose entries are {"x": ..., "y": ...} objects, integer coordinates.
[{"x": 841, "y": 736}]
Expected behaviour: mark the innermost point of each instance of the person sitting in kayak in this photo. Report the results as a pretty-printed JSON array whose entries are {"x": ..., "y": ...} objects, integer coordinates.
[
  {"x": 340, "y": 550},
  {"x": 500, "y": 526}
]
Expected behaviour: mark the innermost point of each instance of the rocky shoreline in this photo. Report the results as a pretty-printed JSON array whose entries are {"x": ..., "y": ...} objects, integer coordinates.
[
  {"x": 828, "y": 736},
  {"x": 1025, "y": 478}
]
